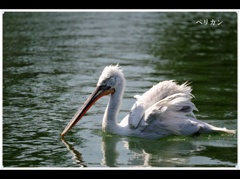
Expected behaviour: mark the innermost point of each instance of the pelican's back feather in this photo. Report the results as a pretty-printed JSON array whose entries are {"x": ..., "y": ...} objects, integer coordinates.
[{"x": 162, "y": 90}]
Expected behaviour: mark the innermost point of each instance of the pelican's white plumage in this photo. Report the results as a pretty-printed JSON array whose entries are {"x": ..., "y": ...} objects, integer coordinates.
[{"x": 165, "y": 109}]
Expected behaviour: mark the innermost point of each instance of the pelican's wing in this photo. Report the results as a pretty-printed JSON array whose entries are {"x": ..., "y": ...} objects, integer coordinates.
[
  {"x": 168, "y": 107},
  {"x": 172, "y": 114},
  {"x": 175, "y": 106},
  {"x": 175, "y": 115},
  {"x": 150, "y": 98}
]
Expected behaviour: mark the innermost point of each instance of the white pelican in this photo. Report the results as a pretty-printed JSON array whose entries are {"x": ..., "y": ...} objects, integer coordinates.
[{"x": 165, "y": 109}]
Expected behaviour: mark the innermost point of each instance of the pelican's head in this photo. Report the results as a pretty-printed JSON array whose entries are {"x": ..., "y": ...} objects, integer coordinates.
[{"x": 111, "y": 78}]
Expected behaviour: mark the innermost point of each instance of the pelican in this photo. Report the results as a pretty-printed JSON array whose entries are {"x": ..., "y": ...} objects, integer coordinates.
[{"x": 164, "y": 110}]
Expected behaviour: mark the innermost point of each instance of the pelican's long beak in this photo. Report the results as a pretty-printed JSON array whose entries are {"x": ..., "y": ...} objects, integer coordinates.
[{"x": 99, "y": 92}]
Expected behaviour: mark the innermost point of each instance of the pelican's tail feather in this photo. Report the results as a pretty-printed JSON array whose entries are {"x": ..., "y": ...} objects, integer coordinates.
[{"x": 223, "y": 130}]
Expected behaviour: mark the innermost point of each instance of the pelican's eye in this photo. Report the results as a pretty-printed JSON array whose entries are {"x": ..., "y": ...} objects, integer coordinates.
[{"x": 105, "y": 87}]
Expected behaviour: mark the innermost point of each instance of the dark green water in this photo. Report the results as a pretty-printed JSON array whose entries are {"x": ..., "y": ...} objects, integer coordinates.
[{"x": 52, "y": 61}]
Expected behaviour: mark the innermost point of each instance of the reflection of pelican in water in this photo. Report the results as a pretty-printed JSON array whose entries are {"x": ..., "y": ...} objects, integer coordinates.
[
  {"x": 162, "y": 111},
  {"x": 145, "y": 153},
  {"x": 77, "y": 156},
  {"x": 170, "y": 152}
]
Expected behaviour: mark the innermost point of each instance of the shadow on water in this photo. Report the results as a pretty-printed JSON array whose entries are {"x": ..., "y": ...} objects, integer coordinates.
[{"x": 168, "y": 152}]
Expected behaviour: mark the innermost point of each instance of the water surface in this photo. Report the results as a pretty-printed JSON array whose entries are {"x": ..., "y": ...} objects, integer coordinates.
[{"x": 51, "y": 64}]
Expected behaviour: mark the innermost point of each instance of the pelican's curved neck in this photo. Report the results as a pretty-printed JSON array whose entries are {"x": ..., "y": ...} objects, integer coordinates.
[{"x": 110, "y": 123}]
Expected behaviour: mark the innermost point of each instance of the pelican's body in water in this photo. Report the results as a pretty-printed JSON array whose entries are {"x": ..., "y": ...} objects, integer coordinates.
[{"x": 164, "y": 110}]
